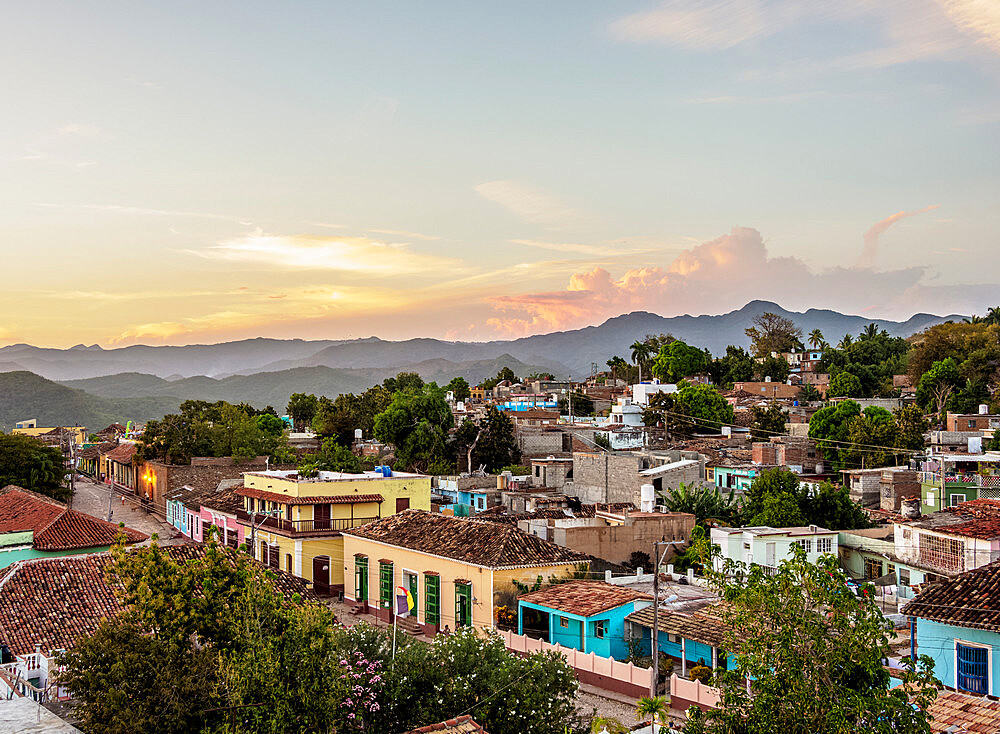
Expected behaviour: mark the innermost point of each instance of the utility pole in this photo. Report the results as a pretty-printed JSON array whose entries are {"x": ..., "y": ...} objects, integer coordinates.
[
  {"x": 657, "y": 562},
  {"x": 253, "y": 529}
]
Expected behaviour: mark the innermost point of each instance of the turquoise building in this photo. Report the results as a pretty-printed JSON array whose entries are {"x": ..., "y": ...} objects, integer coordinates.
[
  {"x": 692, "y": 638},
  {"x": 588, "y": 616},
  {"x": 956, "y": 622}
]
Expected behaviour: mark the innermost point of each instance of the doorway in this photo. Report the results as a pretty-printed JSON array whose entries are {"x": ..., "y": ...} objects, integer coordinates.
[{"x": 321, "y": 575}]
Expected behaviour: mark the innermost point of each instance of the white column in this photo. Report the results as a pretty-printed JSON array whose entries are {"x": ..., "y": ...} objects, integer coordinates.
[
  {"x": 715, "y": 657},
  {"x": 684, "y": 658}
]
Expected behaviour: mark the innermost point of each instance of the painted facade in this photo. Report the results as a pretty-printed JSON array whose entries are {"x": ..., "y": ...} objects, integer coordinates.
[
  {"x": 767, "y": 547},
  {"x": 965, "y": 659},
  {"x": 602, "y": 634}
]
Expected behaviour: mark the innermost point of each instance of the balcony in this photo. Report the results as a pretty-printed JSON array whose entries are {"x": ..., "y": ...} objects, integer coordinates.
[
  {"x": 991, "y": 481},
  {"x": 304, "y": 527}
]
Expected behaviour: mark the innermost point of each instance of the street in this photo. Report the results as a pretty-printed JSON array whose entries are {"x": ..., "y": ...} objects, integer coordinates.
[{"x": 91, "y": 498}]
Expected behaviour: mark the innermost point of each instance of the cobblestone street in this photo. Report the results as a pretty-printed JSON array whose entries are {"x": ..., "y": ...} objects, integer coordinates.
[{"x": 91, "y": 498}]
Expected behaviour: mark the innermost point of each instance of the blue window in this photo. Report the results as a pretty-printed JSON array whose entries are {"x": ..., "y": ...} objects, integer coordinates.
[{"x": 973, "y": 669}]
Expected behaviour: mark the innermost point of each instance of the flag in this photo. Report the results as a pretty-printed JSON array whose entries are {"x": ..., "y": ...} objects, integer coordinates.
[{"x": 404, "y": 602}]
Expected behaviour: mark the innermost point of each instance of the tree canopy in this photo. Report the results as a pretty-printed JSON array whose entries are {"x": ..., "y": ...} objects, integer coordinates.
[
  {"x": 777, "y": 498},
  {"x": 417, "y": 424},
  {"x": 677, "y": 360},
  {"x": 497, "y": 446},
  {"x": 29, "y": 463},
  {"x": 773, "y": 333},
  {"x": 692, "y": 409}
]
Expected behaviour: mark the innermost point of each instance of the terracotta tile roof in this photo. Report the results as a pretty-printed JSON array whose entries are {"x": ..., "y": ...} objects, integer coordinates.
[
  {"x": 286, "y": 499},
  {"x": 977, "y": 509},
  {"x": 585, "y": 598},
  {"x": 705, "y": 625},
  {"x": 971, "y": 599},
  {"x": 965, "y": 712},
  {"x": 123, "y": 454},
  {"x": 52, "y": 602},
  {"x": 55, "y": 526},
  {"x": 462, "y": 725},
  {"x": 94, "y": 452},
  {"x": 225, "y": 498},
  {"x": 488, "y": 544},
  {"x": 116, "y": 429}
]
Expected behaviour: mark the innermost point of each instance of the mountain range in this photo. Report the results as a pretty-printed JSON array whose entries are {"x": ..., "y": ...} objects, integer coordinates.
[{"x": 141, "y": 382}]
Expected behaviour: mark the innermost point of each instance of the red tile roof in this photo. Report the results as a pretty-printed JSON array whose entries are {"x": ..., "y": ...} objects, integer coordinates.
[
  {"x": 52, "y": 602},
  {"x": 702, "y": 625},
  {"x": 971, "y": 599},
  {"x": 584, "y": 598},
  {"x": 461, "y": 725},
  {"x": 123, "y": 454},
  {"x": 965, "y": 712},
  {"x": 55, "y": 526},
  {"x": 287, "y": 499},
  {"x": 487, "y": 544}
]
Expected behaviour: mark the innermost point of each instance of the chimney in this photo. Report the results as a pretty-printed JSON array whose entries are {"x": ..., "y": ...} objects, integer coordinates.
[{"x": 910, "y": 508}]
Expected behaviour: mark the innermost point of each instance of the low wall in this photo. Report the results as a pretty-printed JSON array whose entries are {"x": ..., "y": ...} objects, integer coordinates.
[
  {"x": 685, "y": 693},
  {"x": 607, "y": 673}
]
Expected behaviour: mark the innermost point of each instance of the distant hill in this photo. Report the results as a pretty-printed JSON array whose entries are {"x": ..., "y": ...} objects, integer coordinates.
[
  {"x": 274, "y": 388},
  {"x": 562, "y": 352},
  {"x": 24, "y": 395}
]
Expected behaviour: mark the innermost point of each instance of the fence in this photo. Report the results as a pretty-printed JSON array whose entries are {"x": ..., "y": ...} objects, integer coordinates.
[
  {"x": 16, "y": 679},
  {"x": 971, "y": 479},
  {"x": 590, "y": 668},
  {"x": 693, "y": 693}
]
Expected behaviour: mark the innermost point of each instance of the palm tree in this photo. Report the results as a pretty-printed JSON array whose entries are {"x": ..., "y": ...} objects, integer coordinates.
[
  {"x": 869, "y": 333},
  {"x": 653, "y": 708},
  {"x": 816, "y": 339},
  {"x": 993, "y": 315},
  {"x": 847, "y": 341},
  {"x": 705, "y": 503},
  {"x": 616, "y": 363},
  {"x": 641, "y": 351}
]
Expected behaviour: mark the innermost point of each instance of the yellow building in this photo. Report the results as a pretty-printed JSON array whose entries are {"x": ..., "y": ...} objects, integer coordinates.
[
  {"x": 296, "y": 523},
  {"x": 30, "y": 428},
  {"x": 455, "y": 569}
]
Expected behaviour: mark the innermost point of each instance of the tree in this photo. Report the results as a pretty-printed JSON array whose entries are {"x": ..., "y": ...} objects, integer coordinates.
[
  {"x": 774, "y": 498},
  {"x": 652, "y": 709},
  {"x": 616, "y": 363},
  {"x": 416, "y": 423},
  {"x": 767, "y": 422},
  {"x": 677, "y": 360},
  {"x": 334, "y": 457},
  {"x": 816, "y": 339},
  {"x": 814, "y": 653},
  {"x": 29, "y": 463},
  {"x": 773, "y": 333},
  {"x": 809, "y": 394},
  {"x": 459, "y": 388},
  {"x": 829, "y": 428},
  {"x": 496, "y": 446},
  {"x": 582, "y": 405},
  {"x": 692, "y": 409},
  {"x": 641, "y": 352},
  {"x": 845, "y": 341},
  {"x": 831, "y": 507},
  {"x": 777, "y": 368},
  {"x": 844, "y": 385},
  {"x": 937, "y": 384},
  {"x": 736, "y": 366},
  {"x": 302, "y": 409},
  {"x": 705, "y": 503},
  {"x": 872, "y": 436},
  {"x": 910, "y": 426},
  {"x": 403, "y": 381}
]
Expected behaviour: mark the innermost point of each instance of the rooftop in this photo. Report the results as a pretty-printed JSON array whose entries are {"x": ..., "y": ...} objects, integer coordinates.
[
  {"x": 971, "y": 599},
  {"x": 459, "y": 725},
  {"x": 704, "y": 625},
  {"x": 291, "y": 499},
  {"x": 27, "y": 717},
  {"x": 52, "y": 602},
  {"x": 55, "y": 526},
  {"x": 123, "y": 454},
  {"x": 292, "y": 475},
  {"x": 584, "y": 598},
  {"x": 488, "y": 544},
  {"x": 976, "y": 519},
  {"x": 963, "y": 713},
  {"x": 765, "y": 530}
]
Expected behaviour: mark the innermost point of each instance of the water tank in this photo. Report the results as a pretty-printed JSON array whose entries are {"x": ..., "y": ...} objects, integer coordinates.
[
  {"x": 647, "y": 496},
  {"x": 984, "y": 409},
  {"x": 910, "y": 508},
  {"x": 975, "y": 444},
  {"x": 357, "y": 434},
  {"x": 767, "y": 379}
]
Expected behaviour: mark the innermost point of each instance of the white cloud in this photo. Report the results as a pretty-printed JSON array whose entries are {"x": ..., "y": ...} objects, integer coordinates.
[
  {"x": 869, "y": 254},
  {"x": 701, "y": 25},
  {"x": 531, "y": 204},
  {"x": 979, "y": 19},
  {"x": 608, "y": 250}
]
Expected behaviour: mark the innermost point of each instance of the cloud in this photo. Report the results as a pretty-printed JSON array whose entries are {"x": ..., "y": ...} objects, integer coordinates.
[
  {"x": 608, "y": 250},
  {"x": 164, "y": 330},
  {"x": 869, "y": 254},
  {"x": 713, "y": 277},
  {"x": 404, "y": 233},
  {"x": 144, "y": 211},
  {"x": 700, "y": 25},
  {"x": 324, "y": 252},
  {"x": 530, "y": 204},
  {"x": 979, "y": 19}
]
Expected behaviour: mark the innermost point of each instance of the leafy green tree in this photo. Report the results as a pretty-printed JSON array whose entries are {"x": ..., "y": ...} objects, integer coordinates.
[
  {"x": 333, "y": 457},
  {"x": 767, "y": 422},
  {"x": 705, "y": 503},
  {"x": 270, "y": 424},
  {"x": 777, "y": 368},
  {"x": 814, "y": 654},
  {"x": 459, "y": 387},
  {"x": 341, "y": 417},
  {"x": 831, "y": 507},
  {"x": 29, "y": 463},
  {"x": 736, "y": 366},
  {"x": 829, "y": 428},
  {"x": 938, "y": 384},
  {"x": 416, "y": 423},
  {"x": 809, "y": 394},
  {"x": 617, "y": 366},
  {"x": 777, "y": 498},
  {"x": 773, "y": 333},
  {"x": 403, "y": 381},
  {"x": 506, "y": 374},
  {"x": 692, "y": 409},
  {"x": 844, "y": 385},
  {"x": 302, "y": 409},
  {"x": 497, "y": 446},
  {"x": 677, "y": 360},
  {"x": 873, "y": 435},
  {"x": 175, "y": 439},
  {"x": 582, "y": 405},
  {"x": 910, "y": 426}
]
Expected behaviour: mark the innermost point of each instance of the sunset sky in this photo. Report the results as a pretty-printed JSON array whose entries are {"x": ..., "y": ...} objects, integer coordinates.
[{"x": 179, "y": 172}]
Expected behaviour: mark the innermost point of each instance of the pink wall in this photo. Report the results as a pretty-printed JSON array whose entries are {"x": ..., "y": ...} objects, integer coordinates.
[{"x": 207, "y": 517}]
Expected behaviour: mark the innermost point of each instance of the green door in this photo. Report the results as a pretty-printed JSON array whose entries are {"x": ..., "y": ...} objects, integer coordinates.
[
  {"x": 432, "y": 586},
  {"x": 361, "y": 579},
  {"x": 463, "y": 605},
  {"x": 412, "y": 584}
]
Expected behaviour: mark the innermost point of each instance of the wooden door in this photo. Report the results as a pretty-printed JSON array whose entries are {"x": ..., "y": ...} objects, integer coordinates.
[
  {"x": 402, "y": 503},
  {"x": 321, "y": 517},
  {"x": 321, "y": 575}
]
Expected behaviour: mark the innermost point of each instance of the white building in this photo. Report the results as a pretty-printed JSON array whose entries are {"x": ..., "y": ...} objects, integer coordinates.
[
  {"x": 767, "y": 547},
  {"x": 626, "y": 413},
  {"x": 642, "y": 391}
]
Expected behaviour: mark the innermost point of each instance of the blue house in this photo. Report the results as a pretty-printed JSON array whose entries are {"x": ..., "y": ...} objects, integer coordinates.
[
  {"x": 588, "y": 616},
  {"x": 957, "y": 624},
  {"x": 693, "y": 638}
]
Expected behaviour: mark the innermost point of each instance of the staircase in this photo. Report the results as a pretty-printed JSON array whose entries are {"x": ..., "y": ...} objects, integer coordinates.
[{"x": 409, "y": 626}]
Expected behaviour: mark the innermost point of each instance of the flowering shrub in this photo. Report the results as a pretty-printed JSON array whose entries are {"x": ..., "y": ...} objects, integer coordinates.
[
  {"x": 506, "y": 618},
  {"x": 362, "y": 680}
]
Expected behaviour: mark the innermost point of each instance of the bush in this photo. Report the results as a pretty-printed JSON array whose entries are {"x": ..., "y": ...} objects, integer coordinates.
[{"x": 701, "y": 673}]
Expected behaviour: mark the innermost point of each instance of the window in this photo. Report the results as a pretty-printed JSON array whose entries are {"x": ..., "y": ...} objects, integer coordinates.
[
  {"x": 232, "y": 539},
  {"x": 479, "y": 503},
  {"x": 564, "y": 622},
  {"x": 972, "y": 668},
  {"x": 873, "y": 568},
  {"x": 907, "y": 533},
  {"x": 385, "y": 585},
  {"x": 263, "y": 552},
  {"x": 945, "y": 554},
  {"x": 904, "y": 576},
  {"x": 824, "y": 545},
  {"x": 807, "y": 545},
  {"x": 432, "y": 599},
  {"x": 288, "y": 562},
  {"x": 676, "y": 639},
  {"x": 955, "y": 499},
  {"x": 600, "y": 628},
  {"x": 463, "y": 605},
  {"x": 360, "y": 578},
  {"x": 273, "y": 556}
]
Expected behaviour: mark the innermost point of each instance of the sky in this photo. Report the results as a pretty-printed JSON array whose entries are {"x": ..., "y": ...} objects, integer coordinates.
[{"x": 192, "y": 172}]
